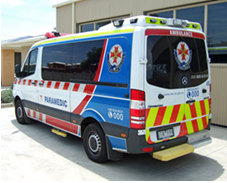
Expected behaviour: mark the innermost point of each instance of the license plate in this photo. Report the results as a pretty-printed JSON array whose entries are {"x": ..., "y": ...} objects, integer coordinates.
[{"x": 165, "y": 134}]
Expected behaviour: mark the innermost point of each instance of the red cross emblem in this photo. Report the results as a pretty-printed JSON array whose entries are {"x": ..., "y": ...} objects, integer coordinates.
[
  {"x": 183, "y": 51},
  {"x": 115, "y": 54}
]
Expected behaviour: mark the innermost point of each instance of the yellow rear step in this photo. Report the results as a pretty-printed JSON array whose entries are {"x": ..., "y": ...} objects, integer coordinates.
[{"x": 173, "y": 152}]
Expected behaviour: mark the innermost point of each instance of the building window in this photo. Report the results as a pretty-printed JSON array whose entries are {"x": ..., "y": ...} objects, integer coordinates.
[
  {"x": 195, "y": 14},
  {"x": 17, "y": 58},
  {"x": 167, "y": 14},
  {"x": 100, "y": 24},
  {"x": 97, "y": 24},
  {"x": 87, "y": 27},
  {"x": 217, "y": 25}
]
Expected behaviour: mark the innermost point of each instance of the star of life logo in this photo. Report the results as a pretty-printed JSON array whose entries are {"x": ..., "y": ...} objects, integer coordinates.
[
  {"x": 115, "y": 58},
  {"x": 183, "y": 56}
]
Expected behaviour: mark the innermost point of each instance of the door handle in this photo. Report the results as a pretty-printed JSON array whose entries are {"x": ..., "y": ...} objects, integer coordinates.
[
  {"x": 204, "y": 90},
  {"x": 190, "y": 101},
  {"x": 34, "y": 83},
  {"x": 160, "y": 96},
  {"x": 40, "y": 84}
]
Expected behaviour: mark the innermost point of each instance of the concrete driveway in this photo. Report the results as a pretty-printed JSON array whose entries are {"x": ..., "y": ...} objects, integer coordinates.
[{"x": 32, "y": 152}]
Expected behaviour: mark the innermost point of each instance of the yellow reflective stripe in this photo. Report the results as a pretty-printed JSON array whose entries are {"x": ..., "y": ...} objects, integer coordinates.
[
  {"x": 198, "y": 114},
  {"x": 188, "y": 111},
  {"x": 207, "y": 107},
  {"x": 188, "y": 116},
  {"x": 180, "y": 113},
  {"x": 158, "y": 21},
  {"x": 147, "y": 134},
  {"x": 189, "y": 127},
  {"x": 97, "y": 33},
  {"x": 167, "y": 116},
  {"x": 151, "y": 117},
  {"x": 191, "y": 26},
  {"x": 104, "y": 33},
  {"x": 207, "y": 118}
]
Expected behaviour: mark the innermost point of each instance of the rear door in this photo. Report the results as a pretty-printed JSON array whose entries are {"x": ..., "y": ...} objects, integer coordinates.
[{"x": 176, "y": 84}]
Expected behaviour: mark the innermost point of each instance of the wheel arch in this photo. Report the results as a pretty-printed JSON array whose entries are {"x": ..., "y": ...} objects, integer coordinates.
[{"x": 87, "y": 121}]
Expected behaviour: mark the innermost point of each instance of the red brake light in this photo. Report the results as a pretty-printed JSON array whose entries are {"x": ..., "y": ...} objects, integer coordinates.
[{"x": 137, "y": 109}]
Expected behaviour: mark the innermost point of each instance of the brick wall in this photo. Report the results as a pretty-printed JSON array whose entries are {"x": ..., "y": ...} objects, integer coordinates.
[{"x": 7, "y": 67}]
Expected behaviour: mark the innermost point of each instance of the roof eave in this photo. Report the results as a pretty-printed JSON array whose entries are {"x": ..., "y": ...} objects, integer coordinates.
[{"x": 65, "y": 3}]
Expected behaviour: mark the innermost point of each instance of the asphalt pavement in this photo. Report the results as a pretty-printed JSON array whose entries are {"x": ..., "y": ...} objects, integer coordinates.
[{"x": 31, "y": 152}]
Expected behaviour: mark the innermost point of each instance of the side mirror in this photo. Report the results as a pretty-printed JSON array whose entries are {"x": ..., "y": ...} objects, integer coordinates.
[{"x": 17, "y": 70}]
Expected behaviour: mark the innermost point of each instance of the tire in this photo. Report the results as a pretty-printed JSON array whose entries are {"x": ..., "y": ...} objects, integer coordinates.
[
  {"x": 20, "y": 113},
  {"x": 94, "y": 143}
]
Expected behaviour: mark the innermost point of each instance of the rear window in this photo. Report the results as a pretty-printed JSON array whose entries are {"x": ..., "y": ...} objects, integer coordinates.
[{"x": 172, "y": 59}]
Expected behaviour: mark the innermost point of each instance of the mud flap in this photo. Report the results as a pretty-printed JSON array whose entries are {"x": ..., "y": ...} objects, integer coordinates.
[{"x": 111, "y": 154}]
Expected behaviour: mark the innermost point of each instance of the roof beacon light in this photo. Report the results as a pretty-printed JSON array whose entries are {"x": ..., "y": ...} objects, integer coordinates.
[
  {"x": 176, "y": 22},
  {"x": 54, "y": 34},
  {"x": 118, "y": 23}
]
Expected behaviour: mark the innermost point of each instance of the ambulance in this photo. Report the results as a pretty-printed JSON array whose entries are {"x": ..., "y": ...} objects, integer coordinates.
[{"x": 137, "y": 85}]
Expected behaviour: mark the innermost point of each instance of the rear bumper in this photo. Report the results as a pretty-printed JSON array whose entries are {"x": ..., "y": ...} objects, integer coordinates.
[
  {"x": 137, "y": 144},
  {"x": 199, "y": 139}
]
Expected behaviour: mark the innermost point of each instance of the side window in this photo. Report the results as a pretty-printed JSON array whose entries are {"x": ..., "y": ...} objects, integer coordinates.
[
  {"x": 57, "y": 62},
  {"x": 30, "y": 63},
  {"x": 85, "y": 61}
]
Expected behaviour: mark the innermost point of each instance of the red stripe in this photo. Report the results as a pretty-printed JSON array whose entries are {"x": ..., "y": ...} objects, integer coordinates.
[
  {"x": 160, "y": 115},
  {"x": 147, "y": 113},
  {"x": 81, "y": 106},
  {"x": 194, "y": 115},
  {"x": 40, "y": 116},
  {"x": 195, "y": 125},
  {"x": 34, "y": 114},
  {"x": 183, "y": 130},
  {"x": 19, "y": 82},
  {"x": 169, "y": 32},
  {"x": 36, "y": 81},
  {"x": 24, "y": 81},
  {"x": 100, "y": 62},
  {"x": 149, "y": 140},
  {"x": 66, "y": 86},
  {"x": 29, "y": 112},
  {"x": 49, "y": 84},
  {"x": 56, "y": 86},
  {"x": 175, "y": 112},
  {"x": 59, "y": 123},
  {"x": 75, "y": 129},
  {"x": 76, "y": 87},
  {"x": 203, "y": 109},
  {"x": 204, "y": 119},
  {"x": 15, "y": 82},
  {"x": 29, "y": 82},
  {"x": 89, "y": 89}
]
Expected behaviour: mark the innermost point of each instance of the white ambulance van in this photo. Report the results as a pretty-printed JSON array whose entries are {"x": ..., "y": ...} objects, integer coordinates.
[{"x": 137, "y": 85}]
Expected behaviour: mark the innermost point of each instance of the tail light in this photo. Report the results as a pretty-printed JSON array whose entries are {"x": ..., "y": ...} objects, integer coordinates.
[{"x": 137, "y": 109}]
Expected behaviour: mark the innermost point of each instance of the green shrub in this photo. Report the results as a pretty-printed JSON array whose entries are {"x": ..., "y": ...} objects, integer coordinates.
[{"x": 6, "y": 96}]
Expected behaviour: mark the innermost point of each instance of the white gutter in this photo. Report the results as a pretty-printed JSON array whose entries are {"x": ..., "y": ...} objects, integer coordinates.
[{"x": 65, "y": 3}]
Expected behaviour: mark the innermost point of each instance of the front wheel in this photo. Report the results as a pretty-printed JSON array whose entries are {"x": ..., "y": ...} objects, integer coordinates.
[
  {"x": 94, "y": 143},
  {"x": 20, "y": 113}
]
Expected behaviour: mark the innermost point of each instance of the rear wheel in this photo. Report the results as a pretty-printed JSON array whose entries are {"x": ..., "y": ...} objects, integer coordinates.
[
  {"x": 94, "y": 143},
  {"x": 20, "y": 113}
]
